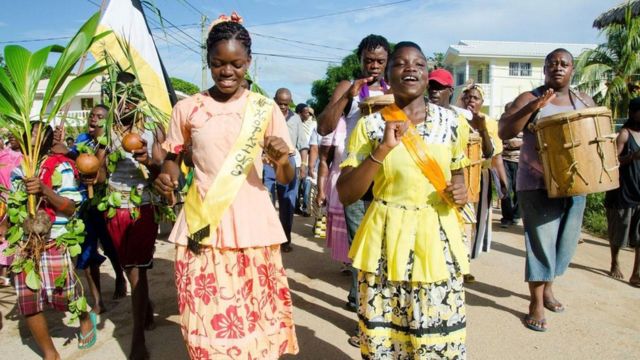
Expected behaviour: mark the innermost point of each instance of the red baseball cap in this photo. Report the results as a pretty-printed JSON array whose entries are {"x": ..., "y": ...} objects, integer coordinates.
[{"x": 441, "y": 76}]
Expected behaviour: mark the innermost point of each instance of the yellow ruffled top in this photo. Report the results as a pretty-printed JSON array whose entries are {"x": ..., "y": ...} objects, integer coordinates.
[{"x": 407, "y": 214}]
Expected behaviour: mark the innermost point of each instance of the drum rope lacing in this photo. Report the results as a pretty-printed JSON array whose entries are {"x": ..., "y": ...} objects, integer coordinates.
[{"x": 599, "y": 140}]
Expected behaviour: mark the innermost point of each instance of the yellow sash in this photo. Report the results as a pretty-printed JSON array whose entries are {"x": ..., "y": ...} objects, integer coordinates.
[
  {"x": 419, "y": 151},
  {"x": 203, "y": 216}
]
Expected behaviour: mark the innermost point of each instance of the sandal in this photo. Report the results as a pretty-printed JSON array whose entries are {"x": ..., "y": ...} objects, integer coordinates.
[
  {"x": 94, "y": 332},
  {"x": 535, "y": 325},
  {"x": 556, "y": 307},
  {"x": 354, "y": 341}
]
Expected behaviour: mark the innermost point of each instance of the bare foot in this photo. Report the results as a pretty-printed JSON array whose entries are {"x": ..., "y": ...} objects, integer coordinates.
[
  {"x": 121, "y": 289},
  {"x": 635, "y": 280},
  {"x": 615, "y": 272}
]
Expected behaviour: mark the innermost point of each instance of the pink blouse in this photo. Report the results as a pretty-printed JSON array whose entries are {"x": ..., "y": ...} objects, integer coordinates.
[{"x": 212, "y": 128}]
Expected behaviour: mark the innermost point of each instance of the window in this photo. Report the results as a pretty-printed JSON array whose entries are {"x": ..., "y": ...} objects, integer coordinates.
[
  {"x": 86, "y": 103},
  {"x": 460, "y": 78},
  {"x": 479, "y": 79},
  {"x": 519, "y": 69}
]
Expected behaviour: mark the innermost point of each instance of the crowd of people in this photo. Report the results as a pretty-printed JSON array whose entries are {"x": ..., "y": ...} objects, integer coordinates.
[{"x": 391, "y": 178}]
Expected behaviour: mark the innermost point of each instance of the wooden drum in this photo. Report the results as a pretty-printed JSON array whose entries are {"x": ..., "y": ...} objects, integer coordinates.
[
  {"x": 578, "y": 152},
  {"x": 472, "y": 173},
  {"x": 375, "y": 103}
]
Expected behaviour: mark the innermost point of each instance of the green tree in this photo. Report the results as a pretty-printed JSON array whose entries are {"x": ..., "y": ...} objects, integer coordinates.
[
  {"x": 184, "y": 86},
  {"x": 616, "y": 63},
  {"x": 46, "y": 73},
  {"x": 323, "y": 89},
  {"x": 436, "y": 61}
]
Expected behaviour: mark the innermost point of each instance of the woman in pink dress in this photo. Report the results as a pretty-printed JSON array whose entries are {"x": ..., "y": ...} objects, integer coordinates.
[
  {"x": 10, "y": 158},
  {"x": 331, "y": 151},
  {"x": 233, "y": 295}
]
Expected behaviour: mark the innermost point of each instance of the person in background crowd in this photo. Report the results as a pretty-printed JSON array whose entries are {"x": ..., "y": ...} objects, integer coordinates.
[
  {"x": 286, "y": 194},
  {"x": 623, "y": 203}
]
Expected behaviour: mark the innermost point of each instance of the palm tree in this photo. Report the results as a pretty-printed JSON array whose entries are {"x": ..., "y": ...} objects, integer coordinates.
[{"x": 615, "y": 62}]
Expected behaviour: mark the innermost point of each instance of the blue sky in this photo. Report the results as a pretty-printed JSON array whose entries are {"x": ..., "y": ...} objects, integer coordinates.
[{"x": 433, "y": 24}]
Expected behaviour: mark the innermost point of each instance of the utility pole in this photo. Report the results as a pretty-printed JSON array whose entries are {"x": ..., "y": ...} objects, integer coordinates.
[{"x": 203, "y": 51}]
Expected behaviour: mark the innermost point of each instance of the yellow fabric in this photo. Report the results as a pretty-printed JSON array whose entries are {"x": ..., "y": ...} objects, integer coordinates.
[
  {"x": 153, "y": 85},
  {"x": 492, "y": 128},
  {"x": 233, "y": 172},
  {"x": 407, "y": 211}
]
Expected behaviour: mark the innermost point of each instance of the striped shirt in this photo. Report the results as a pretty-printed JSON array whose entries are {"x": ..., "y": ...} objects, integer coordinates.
[{"x": 67, "y": 186}]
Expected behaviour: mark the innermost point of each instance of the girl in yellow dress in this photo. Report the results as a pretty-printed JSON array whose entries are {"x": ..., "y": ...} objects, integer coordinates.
[{"x": 408, "y": 250}]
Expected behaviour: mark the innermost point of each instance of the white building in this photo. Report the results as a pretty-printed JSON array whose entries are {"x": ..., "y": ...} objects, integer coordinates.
[
  {"x": 504, "y": 69},
  {"x": 81, "y": 104}
]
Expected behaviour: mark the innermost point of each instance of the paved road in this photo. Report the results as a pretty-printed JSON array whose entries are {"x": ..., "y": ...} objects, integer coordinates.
[{"x": 602, "y": 320}]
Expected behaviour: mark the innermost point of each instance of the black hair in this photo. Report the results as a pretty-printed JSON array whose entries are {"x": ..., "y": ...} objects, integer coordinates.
[
  {"x": 406, "y": 44},
  {"x": 558, "y": 50},
  {"x": 69, "y": 138},
  {"x": 228, "y": 30},
  {"x": 301, "y": 107},
  {"x": 372, "y": 42},
  {"x": 102, "y": 106}
]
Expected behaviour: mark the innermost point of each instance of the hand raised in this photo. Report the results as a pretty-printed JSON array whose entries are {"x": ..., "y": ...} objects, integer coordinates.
[
  {"x": 354, "y": 90},
  {"x": 542, "y": 100},
  {"x": 393, "y": 132}
]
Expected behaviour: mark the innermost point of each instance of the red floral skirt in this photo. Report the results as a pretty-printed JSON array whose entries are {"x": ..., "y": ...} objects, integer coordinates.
[{"x": 235, "y": 303}]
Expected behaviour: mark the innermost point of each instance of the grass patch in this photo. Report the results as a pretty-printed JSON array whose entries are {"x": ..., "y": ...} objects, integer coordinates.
[{"x": 595, "y": 220}]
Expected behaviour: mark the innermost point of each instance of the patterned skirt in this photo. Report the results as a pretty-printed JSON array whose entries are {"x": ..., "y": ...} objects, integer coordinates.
[
  {"x": 410, "y": 320},
  {"x": 337, "y": 237},
  {"x": 55, "y": 262},
  {"x": 235, "y": 303}
]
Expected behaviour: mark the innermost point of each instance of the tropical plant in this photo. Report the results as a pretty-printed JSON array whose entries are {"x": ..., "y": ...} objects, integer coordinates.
[
  {"x": 610, "y": 71},
  {"x": 116, "y": 94},
  {"x": 19, "y": 83},
  {"x": 29, "y": 232}
]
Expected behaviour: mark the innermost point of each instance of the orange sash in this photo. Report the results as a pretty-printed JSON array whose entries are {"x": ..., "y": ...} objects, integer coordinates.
[{"x": 419, "y": 151}]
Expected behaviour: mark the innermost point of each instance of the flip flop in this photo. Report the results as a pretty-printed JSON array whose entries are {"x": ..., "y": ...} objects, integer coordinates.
[
  {"x": 354, "y": 341},
  {"x": 555, "y": 307},
  {"x": 535, "y": 325},
  {"x": 94, "y": 332}
]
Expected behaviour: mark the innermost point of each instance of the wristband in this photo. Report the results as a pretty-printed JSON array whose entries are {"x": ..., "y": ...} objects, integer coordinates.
[{"x": 374, "y": 159}]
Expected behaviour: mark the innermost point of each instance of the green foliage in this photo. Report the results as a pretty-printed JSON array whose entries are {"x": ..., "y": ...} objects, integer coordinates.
[
  {"x": 595, "y": 220},
  {"x": 436, "y": 61},
  {"x": 323, "y": 89},
  {"x": 46, "y": 73},
  {"x": 19, "y": 83},
  {"x": 615, "y": 63},
  {"x": 184, "y": 86}
]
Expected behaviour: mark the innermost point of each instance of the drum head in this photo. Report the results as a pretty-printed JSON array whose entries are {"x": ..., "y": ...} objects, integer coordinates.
[
  {"x": 380, "y": 100},
  {"x": 571, "y": 116}
]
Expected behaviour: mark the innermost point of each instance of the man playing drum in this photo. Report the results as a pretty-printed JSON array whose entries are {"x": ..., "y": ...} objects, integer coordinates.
[{"x": 552, "y": 226}]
